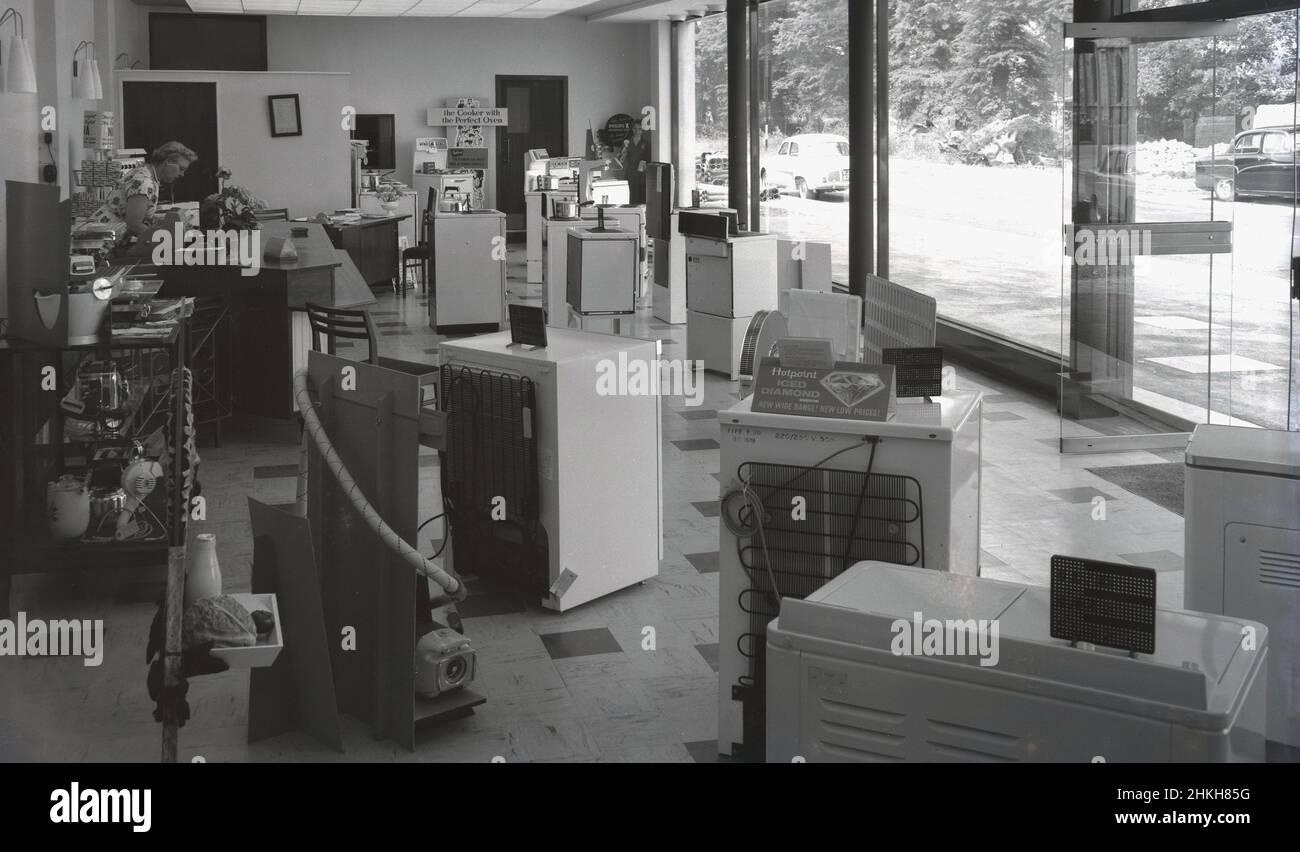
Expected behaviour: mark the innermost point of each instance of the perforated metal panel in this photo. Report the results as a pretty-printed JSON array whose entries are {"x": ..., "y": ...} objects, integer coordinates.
[
  {"x": 896, "y": 317},
  {"x": 917, "y": 371},
  {"x": 1103, "y": 603}
]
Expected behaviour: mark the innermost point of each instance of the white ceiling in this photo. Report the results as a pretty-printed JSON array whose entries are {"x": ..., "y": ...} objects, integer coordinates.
[{"x": 612, "y": 11}]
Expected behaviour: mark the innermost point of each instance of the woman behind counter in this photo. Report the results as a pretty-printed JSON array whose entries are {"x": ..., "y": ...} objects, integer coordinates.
[{"x": 134, "y": 201}]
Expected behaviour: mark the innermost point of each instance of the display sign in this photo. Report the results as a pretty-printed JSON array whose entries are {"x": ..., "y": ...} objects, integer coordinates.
[
  {"x": 527, "y": 325},
  {"x": 467, "y": 158},
  {"x": 847, "y": 390},
  {"x": 920, "y": 370},
  {"x": 1103, "y": 603},
  {"x": 618, "y": 129},
  {"x": 97, "y": 131},
  {"x": 466, "y": 117},
  {"x": 430, "y": 144},
  {"x": 804, "y": 352}
]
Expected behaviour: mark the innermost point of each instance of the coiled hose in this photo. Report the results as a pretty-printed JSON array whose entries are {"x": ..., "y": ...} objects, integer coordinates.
[{"x": 313, "y": 428}]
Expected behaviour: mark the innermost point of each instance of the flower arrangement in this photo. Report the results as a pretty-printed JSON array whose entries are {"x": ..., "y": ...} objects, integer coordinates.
[
  {"x": 389, "y": 193},
  {"x": 232, "y": 207}
]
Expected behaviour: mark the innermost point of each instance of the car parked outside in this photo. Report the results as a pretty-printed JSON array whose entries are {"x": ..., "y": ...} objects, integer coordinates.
[
  {"x": 1260, "y": 161},
  {"x": 808, "y": 164}
]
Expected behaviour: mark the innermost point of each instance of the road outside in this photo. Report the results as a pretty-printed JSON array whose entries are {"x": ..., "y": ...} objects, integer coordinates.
[{"x": 985, "y": 242}]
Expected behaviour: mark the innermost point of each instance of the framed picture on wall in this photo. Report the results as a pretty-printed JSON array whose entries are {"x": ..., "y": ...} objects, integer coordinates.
[{"x": 286, "y": 116}]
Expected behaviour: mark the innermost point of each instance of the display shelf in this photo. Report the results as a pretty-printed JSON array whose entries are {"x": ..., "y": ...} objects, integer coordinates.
[
  {"x": 32, "y": 551},
  {"x": 34, "y": 448}
]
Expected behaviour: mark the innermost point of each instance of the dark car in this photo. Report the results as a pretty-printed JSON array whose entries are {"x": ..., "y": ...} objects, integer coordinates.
[{"x": 1261, "y": 161}]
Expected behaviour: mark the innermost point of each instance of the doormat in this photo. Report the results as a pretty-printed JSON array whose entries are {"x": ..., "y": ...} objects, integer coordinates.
[{"x": 1162, "y": 484}]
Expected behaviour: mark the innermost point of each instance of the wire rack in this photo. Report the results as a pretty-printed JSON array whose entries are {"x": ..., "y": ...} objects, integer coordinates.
[{"x": 489, "y": 476}]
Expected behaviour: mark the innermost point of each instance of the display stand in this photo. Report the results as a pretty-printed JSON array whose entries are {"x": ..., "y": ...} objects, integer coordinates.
[
  {"x": 369, "y": 592},
  {"x": 297, "y": 691}
]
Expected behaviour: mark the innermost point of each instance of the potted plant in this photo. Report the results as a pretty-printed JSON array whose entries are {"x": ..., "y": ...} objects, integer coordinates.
[
  {"x": 232, "y": 208},
  {"x": 389, "y": 196}
]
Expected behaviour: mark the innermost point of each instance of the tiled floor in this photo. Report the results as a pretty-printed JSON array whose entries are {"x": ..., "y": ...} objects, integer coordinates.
[{"x": 630, "y": 677}]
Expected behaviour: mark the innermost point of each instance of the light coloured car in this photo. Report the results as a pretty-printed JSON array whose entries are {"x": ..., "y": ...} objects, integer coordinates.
[{"x": 808, "y": 164}]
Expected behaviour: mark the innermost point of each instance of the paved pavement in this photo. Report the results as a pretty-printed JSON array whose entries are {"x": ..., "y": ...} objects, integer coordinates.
[{"x": 985, "y": 243}]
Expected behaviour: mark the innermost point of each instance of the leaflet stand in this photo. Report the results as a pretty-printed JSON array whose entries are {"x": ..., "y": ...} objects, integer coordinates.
[{"x": 297, "y": 691}]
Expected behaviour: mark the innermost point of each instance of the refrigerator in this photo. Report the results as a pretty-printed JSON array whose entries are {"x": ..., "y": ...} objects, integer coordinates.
[
  {"x": 468, "y": 256},
  {"x": 598, "y": 457}
]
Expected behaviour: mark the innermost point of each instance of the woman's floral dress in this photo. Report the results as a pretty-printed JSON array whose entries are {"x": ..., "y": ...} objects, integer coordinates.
[{"x": 137, "y": 182}]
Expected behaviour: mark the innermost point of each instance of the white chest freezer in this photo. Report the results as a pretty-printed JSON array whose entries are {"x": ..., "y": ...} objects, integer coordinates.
[
  {"x": 845, "y": 684},
  {"x": 921, "y": 506},
  {"x": 1242, "y": 546},
  {"x": 598, "y": 455}
]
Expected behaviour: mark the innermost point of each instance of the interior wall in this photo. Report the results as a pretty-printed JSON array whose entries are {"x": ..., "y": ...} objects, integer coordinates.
[
  {"x": 131, "y": 35},
  {"x": 307, "y": 174},
  {"x": 19, "y": 133},
  {"x": 404, "y": 66}
]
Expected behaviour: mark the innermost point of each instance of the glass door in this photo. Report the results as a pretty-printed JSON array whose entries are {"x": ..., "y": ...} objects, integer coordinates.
[
  {"x": 1148, "y": 236},
  {"x": 1254, "y": 379}
]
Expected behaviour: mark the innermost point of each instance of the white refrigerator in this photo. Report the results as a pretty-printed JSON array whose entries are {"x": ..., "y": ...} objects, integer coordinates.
[{"x": 599, "y": 456}]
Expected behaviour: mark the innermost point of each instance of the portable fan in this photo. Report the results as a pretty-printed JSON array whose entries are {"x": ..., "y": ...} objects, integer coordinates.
[
  {"x": 765, "y": 329},
  {"x": 138, "y": 481}
]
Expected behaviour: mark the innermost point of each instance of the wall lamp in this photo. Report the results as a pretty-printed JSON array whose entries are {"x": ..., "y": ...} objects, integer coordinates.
[
  {"x": 85, "y": 75},
  {"x": 19, "y": 75}
]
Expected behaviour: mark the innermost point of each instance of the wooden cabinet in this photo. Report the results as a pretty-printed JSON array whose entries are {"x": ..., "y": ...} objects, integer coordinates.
[{"x": 372, "y": 245}]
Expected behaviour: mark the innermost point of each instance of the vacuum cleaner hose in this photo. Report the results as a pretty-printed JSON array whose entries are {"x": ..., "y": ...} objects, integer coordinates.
[{"x": 313, "y": 427}]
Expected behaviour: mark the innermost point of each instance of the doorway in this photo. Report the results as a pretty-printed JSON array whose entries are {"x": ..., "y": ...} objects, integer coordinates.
[
  {"x": 154, "y": 113},
  {"x": 1176, "y": 302},
  {"x": 537, "y": 116}
]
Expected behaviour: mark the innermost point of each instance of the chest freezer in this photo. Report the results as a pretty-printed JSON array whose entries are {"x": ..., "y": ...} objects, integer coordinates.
[
  {"x": 1242, "y": 546},
  {"x": 920, "y": 506},
  {"x": 842, "y": 688}
]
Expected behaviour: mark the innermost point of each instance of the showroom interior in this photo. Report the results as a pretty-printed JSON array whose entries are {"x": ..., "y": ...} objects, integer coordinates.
[{"x": 649, "y": 381}]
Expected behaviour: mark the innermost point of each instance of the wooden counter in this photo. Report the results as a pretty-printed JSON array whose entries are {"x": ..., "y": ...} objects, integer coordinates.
[
  {"x": 269, "y": 335},
  {"x": 372, "y": 245}
]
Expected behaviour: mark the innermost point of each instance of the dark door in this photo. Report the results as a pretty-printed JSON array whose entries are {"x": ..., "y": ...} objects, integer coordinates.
[
  {"x": 1278, "y": 168},
  {"x": 154, "y": 113},
  {"x": 537, "y": 114},
  {"x": 1248, "y": 159}
]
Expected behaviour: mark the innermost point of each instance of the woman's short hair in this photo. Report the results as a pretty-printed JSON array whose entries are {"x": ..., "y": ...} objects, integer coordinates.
[{"x": 171, "y": 151}]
